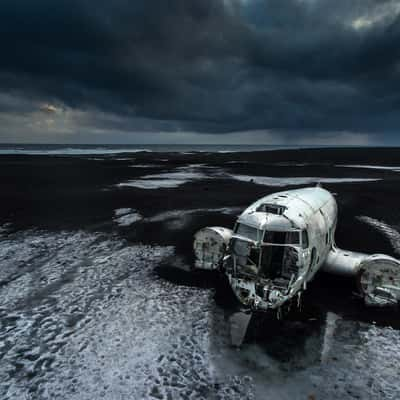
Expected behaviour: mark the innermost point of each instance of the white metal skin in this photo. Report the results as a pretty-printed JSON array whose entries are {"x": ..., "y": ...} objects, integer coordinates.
[{"x": 280, "y": 242}]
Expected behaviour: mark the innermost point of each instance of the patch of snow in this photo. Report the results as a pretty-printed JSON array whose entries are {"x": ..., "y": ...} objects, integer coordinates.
[
  {"x": 194, "y": 172},
  {"x": 379, "y": 167},
  {"x": 152, "y": 183},
  {"x": 289, "y": 164},
  {"x": 177, "y": 213},
  {"x": 179, "y": 175},
  {"x": 122, "y": 211},
  {"x": 128, "y": 219},
  {"x": 303, "y": 180},
  {"x": 145, "y": 166},
  {"x": 5, "y": 228},
  {"x": 83, "y": 316},
  {"x": 126, "y": 216},
  {"x": 173, "y": 179},
  {"x": 389, "y": 231},
  {"x": 179, "y": 219}
]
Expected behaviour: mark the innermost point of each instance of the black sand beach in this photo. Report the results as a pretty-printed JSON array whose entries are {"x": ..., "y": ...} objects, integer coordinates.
[{"x": 97, "y": 299}]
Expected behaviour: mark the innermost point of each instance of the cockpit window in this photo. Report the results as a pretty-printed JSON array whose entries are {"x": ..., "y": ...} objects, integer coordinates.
[
  {"x": 271, "y": 209},
  {"x": 247, "y": 231},
  {"x": 290, "y": 237},
  {"x": 293, "y": 237}
]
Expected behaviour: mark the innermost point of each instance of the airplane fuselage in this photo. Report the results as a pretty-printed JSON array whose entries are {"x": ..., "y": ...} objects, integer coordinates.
[{"x": 280, "y": 242}]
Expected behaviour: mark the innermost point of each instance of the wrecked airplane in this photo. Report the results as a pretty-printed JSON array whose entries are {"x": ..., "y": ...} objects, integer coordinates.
[{"x": 280, "y": 242}]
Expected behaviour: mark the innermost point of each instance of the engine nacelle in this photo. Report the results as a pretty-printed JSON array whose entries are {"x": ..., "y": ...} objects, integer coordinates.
[
  {"x": 210, "y": 245},
  {"x": 377, "y": 275}
]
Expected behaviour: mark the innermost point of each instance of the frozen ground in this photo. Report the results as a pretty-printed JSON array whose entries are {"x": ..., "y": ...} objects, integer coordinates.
[
  {"x": 303, "y": 180},
  {"x": 329, "y": 358},
  {"x": 175, "y": 178},
  {"x": 378, "y": 167},
  {"x": 390, "y": 232},
  {"x": 126, "y": 216},
  {"x": 168, "y": 179},
  {"x": 180, "y": 219},
  {"x": 88, "y": 312},
  {"x": 84, "y": 316},
  {"x": 197, "y": 172}
]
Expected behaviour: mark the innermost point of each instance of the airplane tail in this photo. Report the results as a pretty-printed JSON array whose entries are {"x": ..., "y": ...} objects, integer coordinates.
[{"x": 377, "y": 275}]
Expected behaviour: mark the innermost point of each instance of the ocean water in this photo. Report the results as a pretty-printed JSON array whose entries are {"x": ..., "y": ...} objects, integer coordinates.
[{"x": 79, "y": 149}]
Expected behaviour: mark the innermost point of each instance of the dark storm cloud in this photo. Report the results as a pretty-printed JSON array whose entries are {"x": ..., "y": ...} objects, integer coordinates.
[{"x": 208, "y": 65}]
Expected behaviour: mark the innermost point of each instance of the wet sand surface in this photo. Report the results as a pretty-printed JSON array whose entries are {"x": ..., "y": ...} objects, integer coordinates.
[{"x": 97, "y": 299}]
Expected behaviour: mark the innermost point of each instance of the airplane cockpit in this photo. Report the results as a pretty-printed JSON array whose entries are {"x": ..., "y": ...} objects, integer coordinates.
[{"x": 271, "y": 255}]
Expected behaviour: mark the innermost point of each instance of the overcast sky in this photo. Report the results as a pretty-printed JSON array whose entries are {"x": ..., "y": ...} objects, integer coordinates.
[{"x": 200, "y": 71}]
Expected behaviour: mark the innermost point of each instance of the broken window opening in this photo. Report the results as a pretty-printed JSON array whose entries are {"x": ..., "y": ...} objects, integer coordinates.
[
  {"x": 268, "y": 261},
  {"x": 279, "y": 262},
  {"x": 286, "y": 237},
  {"x": 246, "y": 255},
  {"x": 272, "y": 209}
]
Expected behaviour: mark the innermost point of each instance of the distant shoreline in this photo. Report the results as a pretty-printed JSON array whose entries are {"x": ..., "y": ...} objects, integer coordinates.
[{"x": 110, "y": 149}]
